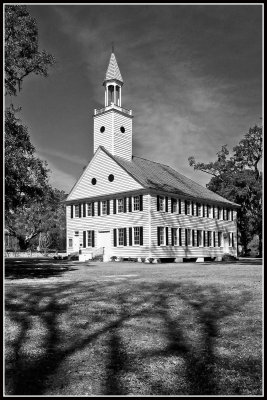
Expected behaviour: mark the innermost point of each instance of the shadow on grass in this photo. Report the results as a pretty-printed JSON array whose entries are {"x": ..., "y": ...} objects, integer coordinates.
[
  {"x": 106, "y": 309},
  {"x": 35, "y": 268}
]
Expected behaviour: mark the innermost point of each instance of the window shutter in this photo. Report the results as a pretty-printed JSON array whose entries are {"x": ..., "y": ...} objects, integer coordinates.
[
  {"x": 71, "y": 211},
  {"x": 166, "y": 204},
  {"x": 185, "y": 207},
  {"x": 214, "y": 239},
  {"x": 93, "y": 238},
  {"x": 141, "y": 236},
  {"x": 172, "y": 201},
  {"x": 141, "y": 202},
  {"x": 130, "y": 204},
  {"x": 114, "y": 206},
  {"x": 223, "y": 214},
  {"x": 84, "y": 209},
  {"x": 130, "y": 235},
  {"x": 158, "y": 229},
  {"x": 172, "y": 230},
  {"x": 167, "y": 236},
  {"x": 125, "y": 204},
  {"x": 80, "y": 210},
  {"x": 232, "y": 216},
  {"x": 197, "y": 238},
  {"x": 213, "y": 212},
  {"x": 204, "y": 238},
  {"x": 180, "y": 207},
  {"x": 157, "y": 202},
  {"x": 193, "y": 237},
  {"x": 180, "y": 236},
  {"x": 125, "y": 237},
  {"x": 186, "y": 242},
  {"x": 197, "y": 209},
  {"x": 98, "y": 207},
  {"x": 108, "y": 208},
  {"x": 93, "y": 209},
  {"x": 84, "y": 238},
  {"x": 193, "y": 208},
  {"x": 115, "y": 237}
]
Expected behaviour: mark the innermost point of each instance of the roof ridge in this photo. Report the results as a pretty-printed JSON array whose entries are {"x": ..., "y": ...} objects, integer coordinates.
[{"x": 155, "y": 162}]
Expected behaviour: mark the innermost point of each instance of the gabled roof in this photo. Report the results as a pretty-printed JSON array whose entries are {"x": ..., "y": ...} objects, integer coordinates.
[
  {"x": 113, "y": 71},
  {"x": 161, "y": 177}
]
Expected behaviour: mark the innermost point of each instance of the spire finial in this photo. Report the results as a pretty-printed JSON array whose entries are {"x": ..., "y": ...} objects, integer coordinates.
[{"x": 112, "y": 47}]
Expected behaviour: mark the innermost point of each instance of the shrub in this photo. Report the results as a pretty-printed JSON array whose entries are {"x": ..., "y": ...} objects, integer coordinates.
[
  {"x": 113, "y": 258},
  {"x": 150, "y": 260},
  {"x": 228, "y": 257},
  {"x": 143, "y": 259}
]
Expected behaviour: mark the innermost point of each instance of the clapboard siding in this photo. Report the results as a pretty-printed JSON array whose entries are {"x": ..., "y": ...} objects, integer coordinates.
[
  {"x": 123, "y": 141},
  {"x": 99, "y": 168},
  {"x": 176, "y": 220},
  {"x": 104, "y": 138},
  {"x": 109, "y": 222}
]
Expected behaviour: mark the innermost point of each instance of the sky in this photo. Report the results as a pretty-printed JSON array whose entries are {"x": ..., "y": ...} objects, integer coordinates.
[{"x": 192, "y": 76}]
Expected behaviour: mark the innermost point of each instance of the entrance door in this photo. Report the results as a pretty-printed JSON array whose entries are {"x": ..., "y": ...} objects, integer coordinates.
[
  {"x": 104, "y": 240},
  {"x": 76, "y": 243}
]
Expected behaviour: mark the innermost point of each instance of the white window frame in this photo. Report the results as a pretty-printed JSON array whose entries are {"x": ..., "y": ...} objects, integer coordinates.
[
  {"x": 104, "y": 207},
  {"x": 70, "y": 241},
  {"x": 162, "y": 230},
  {"x": 188, "y": 207},
  {"x": 209, "y": 238},
  {"x": 199, "y": 210},
  {"x": 76, "y": 210},
  {"x": 120, "y": 236},
  {"x": 176, "y": 236},
  {"x": 136, "y": 236},
  {"x": 201, "y": 237},
  {"x": 175, "y": 206},
  {"x": 161, "y": 203},
  {"x": 120, "y": 206},
  {"x": 89, "y": 238},
  {"x": 220, "y": 237},
  {"x": 89, "y": 209},
  {"x": 210, "y": 211},
  {"x": 136, "y": 203},
  {"x": 188, "y": 238}
]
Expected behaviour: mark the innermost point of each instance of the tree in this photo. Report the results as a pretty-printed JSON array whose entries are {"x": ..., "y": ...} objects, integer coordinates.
[
  {"x": 43, "y": 215},
  {"x": 238, "y": 179},
  {"x": 26, "y": 176},
  {"x": 22, "y": 56}
]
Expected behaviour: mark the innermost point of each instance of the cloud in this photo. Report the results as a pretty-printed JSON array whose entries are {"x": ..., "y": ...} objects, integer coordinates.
[{"x": 73, "y": 158}]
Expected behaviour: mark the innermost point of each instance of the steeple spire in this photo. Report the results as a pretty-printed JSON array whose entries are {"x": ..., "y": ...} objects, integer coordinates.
[{"x": 113, "y": 71}]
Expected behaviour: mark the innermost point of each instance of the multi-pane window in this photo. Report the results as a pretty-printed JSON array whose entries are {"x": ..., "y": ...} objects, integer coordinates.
[
  {"x": 161, "y": 235},
  {"x": 199, "y": 238},
  {"x": 121, "y": 236},
  {"x": 161, "y": 203},
  {"x": 174, "y": 206},
  {"x": 89, "y": 238},
  {"x": 188, "y": 207},
  {"x": 199, "y": 209},
  {"x": 193, "y": 208},
  {"x": 136, "y": 203},
  {"x": 175, "y": 236},
  {"x": 188, "y": 240},
  {"x": 104, "y": 207},
  {"x": 232, "y": 240},
  {"x": 76, "y": 210},
  {"x": 210, "y": 211},
  {"x": 120, "y": 206},
  {"x": 220, "y": 239},
  {"x": 209, "y": 239},
  {"x": 204, "y": 210},
  {"x": 90, "y": 209},
  {"x": 76, "y": 233},
  {"x": 137, "y": 235},
  {"x": 70, "y": 242}
]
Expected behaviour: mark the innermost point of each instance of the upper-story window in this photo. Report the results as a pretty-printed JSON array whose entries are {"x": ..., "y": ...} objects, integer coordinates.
[
  {"x": 90, "y": 209},
  {"x": 161, "y": 203},
  {"x": 198, "y": 209},
  {"x": 209, "y": 211},
  {"x": 76, "y": 210},
  {"x": 120, "y": 206},
  {"x": 136, "y": 203},
  {"x": 104, "y": 207}
]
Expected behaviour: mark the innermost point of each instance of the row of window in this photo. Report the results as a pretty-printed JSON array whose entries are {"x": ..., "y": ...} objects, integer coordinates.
[
  {"x": 192, "y": 237},
  {"x": 121, "y": 205},
  {"x": 192, "y": 208},
  {"x": 179, "y": 237},
  {"x": 135, "y": 203}
]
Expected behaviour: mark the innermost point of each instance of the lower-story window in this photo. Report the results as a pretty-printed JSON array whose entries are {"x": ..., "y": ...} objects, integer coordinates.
[
  {"x": 188, "y": 240},
  {"x": 199, "y": 238},
  {"x": 174, "y": 237},
  {"x": 161, "y": 236},
  {"x": 137, "y": 235},
  {"x": 121, "y": 236},
  {"x": 220, "y": 239},
  {"x": 89, "y": 238},
  {"x": 70, "y": 242},
  {"x": 209, "y": 239}
]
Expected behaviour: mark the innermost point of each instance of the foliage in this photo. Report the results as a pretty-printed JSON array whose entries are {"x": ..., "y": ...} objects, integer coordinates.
[
  {"x": 238, "y": 179},
  {"x": 22, "y": 56},
  {"x": 26, "y": 176}
]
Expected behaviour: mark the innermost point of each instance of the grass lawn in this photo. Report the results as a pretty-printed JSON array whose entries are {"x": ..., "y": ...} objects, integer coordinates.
[{"x": 133, "y": 329}]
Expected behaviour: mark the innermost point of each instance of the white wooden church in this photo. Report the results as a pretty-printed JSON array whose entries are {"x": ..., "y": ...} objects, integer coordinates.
[{"x": 131, "y": 207}]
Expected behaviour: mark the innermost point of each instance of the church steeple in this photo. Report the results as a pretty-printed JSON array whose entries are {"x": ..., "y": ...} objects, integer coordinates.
[
  {"x": 113, "y": 83},
  {"x": 113, "y": 124}
]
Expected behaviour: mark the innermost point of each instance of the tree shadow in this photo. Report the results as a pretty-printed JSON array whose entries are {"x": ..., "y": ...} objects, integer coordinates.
[
  {"x": 35, "y": 268},
  {"x": 110, "y": 306}
]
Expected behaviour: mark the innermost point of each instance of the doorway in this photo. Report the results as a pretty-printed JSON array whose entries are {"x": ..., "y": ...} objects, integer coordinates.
[{"x": 104, "y": 240}]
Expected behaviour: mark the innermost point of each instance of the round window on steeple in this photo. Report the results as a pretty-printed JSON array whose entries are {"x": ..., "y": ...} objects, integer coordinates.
[
  {"x": 93, "y": 181},
  {"x": 122, "y": 129},
  {"x": 102, "y": 129}
]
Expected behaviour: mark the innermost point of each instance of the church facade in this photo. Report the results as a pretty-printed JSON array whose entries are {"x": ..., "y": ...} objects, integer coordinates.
[{"x": 131, "y": 207}]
